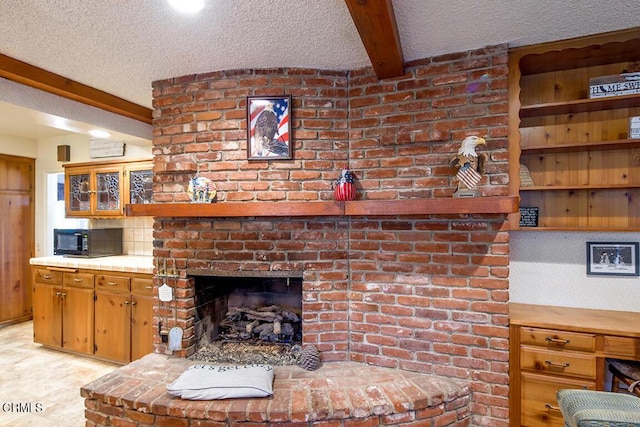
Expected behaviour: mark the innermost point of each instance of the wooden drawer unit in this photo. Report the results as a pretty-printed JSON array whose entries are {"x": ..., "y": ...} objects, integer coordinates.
[
  {"x": 558, "y": 339},
  {"x": 142, "y": 286},
  {"x": 554, "y": 362},
  {"x": 43, "y": 275},
  {"x": 78, "y": 280},
  {"x": 622, "y": 347},
  {"x": 111, "y": 283},
  {"x": 539, "y": 403}
]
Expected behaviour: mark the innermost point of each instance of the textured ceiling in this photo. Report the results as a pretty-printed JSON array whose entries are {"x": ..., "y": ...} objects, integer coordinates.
[{"x": 121, "y": 46}]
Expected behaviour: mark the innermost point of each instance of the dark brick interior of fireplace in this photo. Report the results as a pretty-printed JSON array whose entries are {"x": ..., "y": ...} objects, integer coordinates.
[{"x": 214, "y": 296}]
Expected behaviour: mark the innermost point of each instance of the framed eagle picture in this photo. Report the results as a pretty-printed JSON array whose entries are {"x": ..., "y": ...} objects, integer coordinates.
[{"x": 269, "y": 127}]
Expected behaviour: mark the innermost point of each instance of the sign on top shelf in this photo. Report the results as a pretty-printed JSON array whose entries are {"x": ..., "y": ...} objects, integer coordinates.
[{"x": 616, "y": 85}]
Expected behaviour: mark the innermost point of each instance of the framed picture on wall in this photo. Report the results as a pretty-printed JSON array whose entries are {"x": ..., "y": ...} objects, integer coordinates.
[
  {"x": 269, "y": 127},
  {"x": 612, "y": 259}
]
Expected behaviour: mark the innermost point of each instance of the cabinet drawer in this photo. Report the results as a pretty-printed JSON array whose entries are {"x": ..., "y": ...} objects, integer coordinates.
[
  {"x": 554, "y": 362},
  {"x": 539, "y": 403},
  {"x": 42, "y": 275},
  {"x": 112, "y": 283},
  {"x": 558, "y": 339},
  {"x": 141, "y": 286},
  {"x": 78, "y": 280},
  {"x": 622, "y": 346}
]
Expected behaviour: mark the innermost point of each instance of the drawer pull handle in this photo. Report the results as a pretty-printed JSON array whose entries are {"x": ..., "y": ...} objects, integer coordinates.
[
  {"x": 112, "y": 283},
  {"x": 47, "y": 276},
  {"x": 551, "y": 407},
  {"x": 77, "y": 280},
  {"x": 148, "y": 287},
  {"x": 556, "y": 364},
  {"x": 556, "y": 340}
]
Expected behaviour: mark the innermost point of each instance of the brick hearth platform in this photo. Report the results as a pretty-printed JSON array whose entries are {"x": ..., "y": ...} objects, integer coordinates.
[{"x": 339, "y": 394}]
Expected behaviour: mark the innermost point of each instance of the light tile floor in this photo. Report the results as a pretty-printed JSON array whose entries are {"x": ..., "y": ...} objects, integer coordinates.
[{"x": 39, "y": 386}]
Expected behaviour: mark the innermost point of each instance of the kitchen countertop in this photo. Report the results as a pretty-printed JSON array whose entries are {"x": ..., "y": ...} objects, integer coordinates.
[{"x": 128, "y": 263}]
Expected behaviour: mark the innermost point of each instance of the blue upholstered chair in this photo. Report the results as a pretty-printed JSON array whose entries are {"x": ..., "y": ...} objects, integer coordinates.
[{"x": 589, "y": 408}]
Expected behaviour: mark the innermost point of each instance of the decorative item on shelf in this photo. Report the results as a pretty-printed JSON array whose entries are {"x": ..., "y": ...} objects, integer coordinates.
[
  {"x": 470, "y": 166},
  {"x": 345, "y": 188},
  {"x": 616, "y": 85},
  {"x": 525, "y": 176},
  {"x": 201, "y": 190},
  {"x": 528, "y": 216},
  {"x": 634, "y": 127}
]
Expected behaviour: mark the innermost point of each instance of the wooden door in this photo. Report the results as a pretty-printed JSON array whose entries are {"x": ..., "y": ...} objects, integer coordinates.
[
  {"x": 47, "y": 315},
  {"x": 77, "y": 319},
  {"x": 17, "y": 241},
  {"x": 141, "y": 326},
  {"x": 113, "y": 326}
]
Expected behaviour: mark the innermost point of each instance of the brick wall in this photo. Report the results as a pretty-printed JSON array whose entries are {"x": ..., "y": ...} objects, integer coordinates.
[{"x": 425, "y": 293}]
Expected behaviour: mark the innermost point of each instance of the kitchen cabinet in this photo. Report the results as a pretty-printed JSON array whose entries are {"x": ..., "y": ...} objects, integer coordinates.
[
  {"x": 103, "y": 189},
  {"x": 63, "y": 309},
  {"x": 123, "y": 317},
  {"x": 552, "y": 348},
  {"x": 583, "y": 167},
  {"x": 106, "y": 314}
]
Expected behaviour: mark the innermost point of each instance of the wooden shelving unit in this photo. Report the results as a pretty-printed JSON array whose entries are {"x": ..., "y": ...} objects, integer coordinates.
[
  {"x": 585, "y": 170},
  {"x": 449, "y": 206}
]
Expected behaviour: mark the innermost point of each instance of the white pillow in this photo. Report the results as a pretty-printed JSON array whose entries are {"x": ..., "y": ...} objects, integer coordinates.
[{"x": 208, "y": 382}]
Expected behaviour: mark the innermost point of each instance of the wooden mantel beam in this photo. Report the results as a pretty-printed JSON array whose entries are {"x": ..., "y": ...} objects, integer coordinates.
[
  {"x": 378, "y": 30},
  {"x": 29, "y": 75}
]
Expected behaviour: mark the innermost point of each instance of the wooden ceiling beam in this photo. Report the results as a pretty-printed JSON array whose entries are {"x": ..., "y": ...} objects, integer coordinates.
[
  {"x": 378, "y": 30},
  {"x": 32, "y": 76}
]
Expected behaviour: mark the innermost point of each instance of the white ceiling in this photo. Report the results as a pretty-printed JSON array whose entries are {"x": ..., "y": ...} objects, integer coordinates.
[{"x": 122, "y": 46}]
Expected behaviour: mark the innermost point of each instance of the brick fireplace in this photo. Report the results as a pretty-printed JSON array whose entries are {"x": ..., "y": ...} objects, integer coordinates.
[{"x": 425, "y": 293}]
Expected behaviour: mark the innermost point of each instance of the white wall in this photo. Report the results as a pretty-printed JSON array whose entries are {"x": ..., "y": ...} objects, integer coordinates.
[
  {"x": 549, "y": 268},
  {"x": 15, "y": 146}
]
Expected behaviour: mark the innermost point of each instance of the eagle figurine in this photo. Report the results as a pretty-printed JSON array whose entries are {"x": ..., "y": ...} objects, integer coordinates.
[{"x": 470, "y": 166}]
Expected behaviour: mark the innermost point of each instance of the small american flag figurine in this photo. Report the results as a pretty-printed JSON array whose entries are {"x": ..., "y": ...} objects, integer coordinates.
[{"x": 345, "y": 187}]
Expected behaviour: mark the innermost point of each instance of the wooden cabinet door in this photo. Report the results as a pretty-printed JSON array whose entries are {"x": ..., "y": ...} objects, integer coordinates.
[
  {"x": 17, "y": 237},
  {"x": 113, "y": 326},
  {"x": 77, "y": 319},
  {"x": 47, "y": 315},
  {"x": 141, "y": 326}
]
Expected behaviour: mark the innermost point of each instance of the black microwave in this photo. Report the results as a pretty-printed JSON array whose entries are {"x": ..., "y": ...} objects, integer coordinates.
[{"x": 94, "y": 242}]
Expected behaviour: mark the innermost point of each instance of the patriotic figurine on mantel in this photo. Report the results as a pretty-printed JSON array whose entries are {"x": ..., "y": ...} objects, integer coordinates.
[{"x": 470, "y": 166}]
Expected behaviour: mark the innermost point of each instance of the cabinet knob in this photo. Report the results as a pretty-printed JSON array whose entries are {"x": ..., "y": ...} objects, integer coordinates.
[
  {"x": 58, "y": 294},
  {"x": 551, "y": 407},
  {"x": 133, "y": 302},
  {"x": 63, "y": 294},
  {"x": 551, "y": 340},
  {"x": 126, "y": 302},
  {"x": 557, "y": 364}
]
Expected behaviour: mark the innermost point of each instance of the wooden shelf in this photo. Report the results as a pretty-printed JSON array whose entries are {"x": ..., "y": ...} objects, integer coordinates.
[
  {"x": 236, "y": 209},
  {"x": 579, "y": 106},
  {"x": 471, "y": 205},
  {"x": 579, "y": 187},
  {"x": 618, "y": 144},
  {"x": 440, "y": 206}
]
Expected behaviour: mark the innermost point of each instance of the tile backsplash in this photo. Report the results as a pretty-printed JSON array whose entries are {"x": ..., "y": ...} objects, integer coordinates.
[{"x": 137, "y": 236}]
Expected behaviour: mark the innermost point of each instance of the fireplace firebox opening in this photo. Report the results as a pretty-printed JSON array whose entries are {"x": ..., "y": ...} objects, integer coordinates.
[{"x": 248, "y": 319}]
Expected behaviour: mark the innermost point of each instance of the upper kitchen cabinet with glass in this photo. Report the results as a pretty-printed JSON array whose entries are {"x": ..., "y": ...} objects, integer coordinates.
[{"x": 102, "y": 189}]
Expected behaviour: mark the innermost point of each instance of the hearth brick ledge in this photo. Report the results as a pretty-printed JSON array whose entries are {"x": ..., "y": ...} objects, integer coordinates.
[{"x": 339, "y": 394}]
